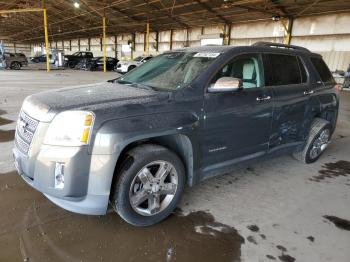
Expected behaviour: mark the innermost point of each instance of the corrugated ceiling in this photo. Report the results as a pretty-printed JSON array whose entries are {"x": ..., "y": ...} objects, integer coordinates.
[{"x": 125, "y": 16}]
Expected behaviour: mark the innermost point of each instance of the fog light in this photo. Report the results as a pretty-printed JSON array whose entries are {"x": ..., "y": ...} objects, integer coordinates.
[{"x": 59, "y": 175}]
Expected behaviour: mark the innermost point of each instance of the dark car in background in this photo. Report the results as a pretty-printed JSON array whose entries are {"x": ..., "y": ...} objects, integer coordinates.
[
  {"x": 71, "y": 61},
  {"x": 96, "y": 63},
  {"x": 40, "y": 59},
  {"x": 15, "y": 60},
  {"x": 347, "y": 78}
]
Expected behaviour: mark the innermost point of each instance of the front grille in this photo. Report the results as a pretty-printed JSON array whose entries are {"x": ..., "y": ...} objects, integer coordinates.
[{"x": 25, "y": 131}]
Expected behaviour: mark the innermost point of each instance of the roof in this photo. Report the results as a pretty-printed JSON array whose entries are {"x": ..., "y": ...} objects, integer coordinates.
[
  {"x": 127, "y": 16},
  {"x": 259, "y": 46},
  {"x": 206, "y": 48}
]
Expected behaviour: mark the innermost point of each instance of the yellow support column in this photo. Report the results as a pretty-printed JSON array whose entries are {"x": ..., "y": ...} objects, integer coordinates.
[
  {"x": 287, "y": 25},
  {"x": 147, "y": 40},
  {"x": 46, "y": 41},
  {"x": 104, "y": 45}
]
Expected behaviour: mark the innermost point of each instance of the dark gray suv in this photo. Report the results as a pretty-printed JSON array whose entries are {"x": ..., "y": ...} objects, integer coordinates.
[{"x": 184, "y": 116}]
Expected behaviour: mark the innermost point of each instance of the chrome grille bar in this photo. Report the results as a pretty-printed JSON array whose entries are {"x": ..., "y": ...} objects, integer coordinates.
[{"x": 25, "y": 130}]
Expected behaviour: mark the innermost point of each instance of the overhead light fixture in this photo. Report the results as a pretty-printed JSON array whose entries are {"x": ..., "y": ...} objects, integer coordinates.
[
  {"x": 276, "y": 18},
  {"x": 76, "y": 4}
]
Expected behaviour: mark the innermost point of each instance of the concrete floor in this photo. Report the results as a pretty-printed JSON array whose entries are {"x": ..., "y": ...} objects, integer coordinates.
[{"x": 276, "y": 210}]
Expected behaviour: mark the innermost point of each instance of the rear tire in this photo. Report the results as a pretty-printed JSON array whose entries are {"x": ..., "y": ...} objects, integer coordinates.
[
  {"x": 317, "y": 141},
  {"x": 144, "y": 195}
]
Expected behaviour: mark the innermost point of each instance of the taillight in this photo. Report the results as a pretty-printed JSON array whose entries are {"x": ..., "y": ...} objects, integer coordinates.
[{"x": 338, "y": 87}]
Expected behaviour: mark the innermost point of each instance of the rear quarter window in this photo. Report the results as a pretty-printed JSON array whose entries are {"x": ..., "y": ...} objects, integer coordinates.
[
  {"x": 322, "y": 70},
  {"x": 283, "y": 69}
]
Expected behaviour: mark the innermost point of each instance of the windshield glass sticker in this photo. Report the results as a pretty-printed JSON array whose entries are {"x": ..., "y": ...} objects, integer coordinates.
[{"x": 211, "y": 55}]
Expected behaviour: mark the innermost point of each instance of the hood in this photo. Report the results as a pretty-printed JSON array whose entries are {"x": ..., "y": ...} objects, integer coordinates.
[{"x": 103, "y": 98}]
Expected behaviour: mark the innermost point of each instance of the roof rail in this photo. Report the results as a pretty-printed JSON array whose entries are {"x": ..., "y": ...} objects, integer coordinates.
[{"x": 278, "y": 45}]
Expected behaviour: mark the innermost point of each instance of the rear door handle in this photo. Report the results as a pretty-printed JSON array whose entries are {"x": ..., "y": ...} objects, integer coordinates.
[
  {"x": 263, "y": 98},
  {"x": 308, "y": 92}
]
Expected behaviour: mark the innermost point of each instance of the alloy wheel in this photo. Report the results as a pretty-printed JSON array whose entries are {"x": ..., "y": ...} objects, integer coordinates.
[
  {"x": 153, "y": 188},
  {"x": 320, "y": 144}
]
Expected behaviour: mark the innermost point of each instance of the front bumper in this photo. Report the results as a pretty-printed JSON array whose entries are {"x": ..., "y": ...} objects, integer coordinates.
[{"x": 86, "y": 190}]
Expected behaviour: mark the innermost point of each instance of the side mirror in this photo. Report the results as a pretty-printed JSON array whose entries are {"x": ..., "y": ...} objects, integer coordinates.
[{"x": 226, "y": 84}]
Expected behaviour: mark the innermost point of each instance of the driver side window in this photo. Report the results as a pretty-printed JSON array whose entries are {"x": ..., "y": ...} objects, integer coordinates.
[{"x": 247, "y": 67}]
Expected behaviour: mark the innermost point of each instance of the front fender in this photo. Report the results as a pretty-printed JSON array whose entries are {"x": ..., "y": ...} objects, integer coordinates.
[{"x": 114, "y": 135}]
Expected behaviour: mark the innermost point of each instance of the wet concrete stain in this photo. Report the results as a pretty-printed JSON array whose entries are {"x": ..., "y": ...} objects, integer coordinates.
[
  {"x": 282, "y": 248},
  {"x": 34, "y": 229},
  {"x": 4, "y": 121},
  {"x": 333, "y": 170},
  {"x": 270, "y": 257},
  {"x": 286, "y": 258},
  {"x": 251, "y": 239},
  {"x": 311, "y": 238},
  {"x": 263, "y": 236},
  {"x": 253, "y": 228},
  {"x": 7, "y": 135},
  {"x": 339, "y": 222}
]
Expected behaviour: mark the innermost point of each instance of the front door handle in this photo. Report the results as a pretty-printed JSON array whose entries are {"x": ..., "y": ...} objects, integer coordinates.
[
  {"x": 263, "y": 98},
  {"x": 308, "y": 92}
]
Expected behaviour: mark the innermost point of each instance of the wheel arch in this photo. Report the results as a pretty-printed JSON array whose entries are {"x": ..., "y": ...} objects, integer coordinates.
[
  {"x": 328, "y": 109},
  {"x": 180, "y": 144}
]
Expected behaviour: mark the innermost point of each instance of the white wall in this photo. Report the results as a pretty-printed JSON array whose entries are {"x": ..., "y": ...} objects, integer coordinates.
[{"x": 328, "y": 35}]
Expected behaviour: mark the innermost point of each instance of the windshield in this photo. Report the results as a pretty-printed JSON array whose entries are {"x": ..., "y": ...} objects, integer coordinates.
[{"x": 170, "y": 71}]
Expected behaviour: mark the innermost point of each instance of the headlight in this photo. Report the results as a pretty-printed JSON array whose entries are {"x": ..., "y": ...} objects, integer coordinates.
[
  {"x": 70, "y": 128},
  {"x": 65, "y": 59}
]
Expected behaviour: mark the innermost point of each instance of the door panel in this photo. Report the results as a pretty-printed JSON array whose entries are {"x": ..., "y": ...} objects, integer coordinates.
[
  {"x": 287, "y": 77},
  {"x": 237, "y": 124},
  {"x": 289, "y": 111}
]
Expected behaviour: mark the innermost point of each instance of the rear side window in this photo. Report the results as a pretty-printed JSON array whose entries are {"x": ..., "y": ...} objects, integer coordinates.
[
  {"x": 284, "y": 70},
  {"x": 322, "y": 69}
]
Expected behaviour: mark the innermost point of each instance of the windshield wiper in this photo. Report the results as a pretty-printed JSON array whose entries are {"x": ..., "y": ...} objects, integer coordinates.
[
  {"x": 123, "y": 82},
  {"x": 133, "y": 84}
]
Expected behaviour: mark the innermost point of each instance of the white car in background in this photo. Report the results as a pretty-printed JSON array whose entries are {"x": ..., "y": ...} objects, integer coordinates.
[{"x": 126, "y": 66}]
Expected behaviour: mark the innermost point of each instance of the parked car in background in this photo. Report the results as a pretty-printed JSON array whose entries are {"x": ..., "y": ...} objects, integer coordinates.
[
  {"x": 185, "y": 116},
  {"x": 347, "y": 78},
  {"x": 40, "y": 59},
  {"x": 126, "y": 66},
  {"x": 72, "y": 60},
  {"x": 83, "y": 63},
  {"x": 15, "y": 61},
  {"x": 96, "y": 63}
]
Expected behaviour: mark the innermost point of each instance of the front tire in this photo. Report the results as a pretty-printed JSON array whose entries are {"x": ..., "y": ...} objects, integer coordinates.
[
  {"x": 71, "y": 65},
  {"x": 149, "y": 185},
  {"x": 15, "y": 66},
  {"x": 316, "y": 143}
]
